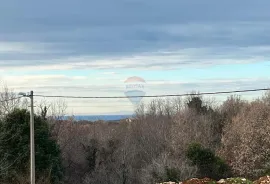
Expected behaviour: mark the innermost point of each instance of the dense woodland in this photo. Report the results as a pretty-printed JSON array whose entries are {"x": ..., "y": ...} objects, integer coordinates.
[{"x": 169, "y": 139}]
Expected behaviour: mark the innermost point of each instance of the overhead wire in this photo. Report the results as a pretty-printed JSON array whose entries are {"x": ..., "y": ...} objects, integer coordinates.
[{"x": 155, "y": 96}]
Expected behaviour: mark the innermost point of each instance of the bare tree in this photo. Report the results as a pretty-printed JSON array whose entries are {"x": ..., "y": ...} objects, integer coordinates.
[
  {"x": 177, "y": 104},
  {"x": 8, "y": 100},
  {"x": 57, "y": 109},
  {"x": 54, "y": 112},
  {"x": 140, "y": 110},
  {"x": 246, "y": 140}
]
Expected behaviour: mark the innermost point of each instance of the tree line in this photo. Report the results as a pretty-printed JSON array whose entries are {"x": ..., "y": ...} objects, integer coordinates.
[{"x": 169, "y": 139}]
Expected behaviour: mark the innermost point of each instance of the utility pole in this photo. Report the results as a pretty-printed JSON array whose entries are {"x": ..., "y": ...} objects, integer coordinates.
[
  {"x": 32, "y": 136},
  {"x": 32, "y": 139}
]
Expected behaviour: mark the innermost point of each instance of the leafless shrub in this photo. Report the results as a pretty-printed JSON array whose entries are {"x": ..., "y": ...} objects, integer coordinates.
[
  {"x": 190, "y": 127},
  {"x": 158, "y": 166},
  {"x": 246, "y": 142},
  {"x": 232, "y": 106}
]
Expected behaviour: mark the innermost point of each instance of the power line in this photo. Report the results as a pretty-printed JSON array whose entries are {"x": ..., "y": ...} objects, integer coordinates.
[
  {"x": 10, "y": 99},
  {"x": 154, "y": 96}
]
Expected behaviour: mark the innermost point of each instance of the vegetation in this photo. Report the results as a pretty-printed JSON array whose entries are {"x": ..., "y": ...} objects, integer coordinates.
[
  {"x": 15, "y": 150},
  {"x": 208, "y": 163},
  {"x": 232, "y": 139}
]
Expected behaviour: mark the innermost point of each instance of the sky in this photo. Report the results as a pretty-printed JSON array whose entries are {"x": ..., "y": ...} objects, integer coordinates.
[{"x": 89, "y": 48}]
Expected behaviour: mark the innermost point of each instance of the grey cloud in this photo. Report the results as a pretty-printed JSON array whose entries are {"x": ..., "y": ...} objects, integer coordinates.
[
  {"x": 119, "y": 12},
  {"x": 121, "y": 28},
  {"x": 164, "y": 60}
]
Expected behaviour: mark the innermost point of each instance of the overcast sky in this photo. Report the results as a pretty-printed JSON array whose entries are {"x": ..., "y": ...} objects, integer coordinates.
[{"x": 89, "y": 48}]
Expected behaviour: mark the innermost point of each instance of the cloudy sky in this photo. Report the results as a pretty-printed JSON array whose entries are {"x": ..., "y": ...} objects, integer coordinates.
[{"x": 89, "y": 48}]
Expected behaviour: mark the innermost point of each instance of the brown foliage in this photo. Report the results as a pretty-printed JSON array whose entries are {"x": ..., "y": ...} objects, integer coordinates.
[
  {"x": 130, "y": 152},
  {"x": 246, "y": 141}
]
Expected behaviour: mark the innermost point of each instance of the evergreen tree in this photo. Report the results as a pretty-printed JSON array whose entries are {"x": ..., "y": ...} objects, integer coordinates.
[
  {"x": 208, "y": 163},
  {"x": 15, "y": 148}
]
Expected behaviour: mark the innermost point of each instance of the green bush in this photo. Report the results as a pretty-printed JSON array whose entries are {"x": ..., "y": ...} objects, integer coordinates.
[
  {"x": 172, "y": 174},
  {"x": 208, "y": 163},
  {"x": 15, "y": 148}
]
